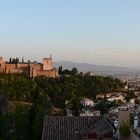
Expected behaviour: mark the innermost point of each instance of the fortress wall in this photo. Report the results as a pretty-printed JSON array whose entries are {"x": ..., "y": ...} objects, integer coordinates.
[
  {"x": 13, "y": 68},
  {"x": 2, "y": 70},
  {"x": 2, "y": 65},
  {"x": 1, "y": 60},
  {"x": 22, "y": 65},
  {"x": 14, "y": 71},
  {"x": 32, "y": 69},
  {"x": 10, "y": 66},
  {"x": 37, "y": 66},
  {"x": 48, "y": 73}
]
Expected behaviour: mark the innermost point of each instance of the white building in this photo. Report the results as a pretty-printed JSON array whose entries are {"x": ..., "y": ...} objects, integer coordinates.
[
  {"x": 87, "y": 102},
  {"x": 116, "y": 97},
  {"x": 95, "y": 113},
  {"x": 135, "y": 122}
]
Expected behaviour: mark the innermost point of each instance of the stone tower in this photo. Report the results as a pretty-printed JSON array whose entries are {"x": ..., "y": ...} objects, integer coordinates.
[
  {"x": 1, "y": 60},
  {"x": 2, "y": 65},
  {"x": 47, "y": 63}
]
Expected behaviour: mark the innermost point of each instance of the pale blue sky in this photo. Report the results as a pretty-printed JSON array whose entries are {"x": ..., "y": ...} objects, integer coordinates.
[{"x": 94, "y": 31}]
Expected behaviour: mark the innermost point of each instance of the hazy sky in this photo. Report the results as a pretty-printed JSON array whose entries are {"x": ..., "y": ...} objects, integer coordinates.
[{"x": 94, "y": 31}]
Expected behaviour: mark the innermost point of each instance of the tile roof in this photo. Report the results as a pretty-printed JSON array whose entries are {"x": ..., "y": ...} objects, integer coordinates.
[{"x": 65, "y": 128}]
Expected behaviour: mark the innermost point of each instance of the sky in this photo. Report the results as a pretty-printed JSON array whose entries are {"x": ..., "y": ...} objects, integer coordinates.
[{"x": 103, "y": 32}]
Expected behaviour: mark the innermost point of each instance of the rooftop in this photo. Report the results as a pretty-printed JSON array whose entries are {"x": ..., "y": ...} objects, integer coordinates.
[{"x": 67, "y": 128}]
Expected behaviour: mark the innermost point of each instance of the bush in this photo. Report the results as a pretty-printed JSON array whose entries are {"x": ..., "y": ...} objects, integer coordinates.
[{"x": 124, "y": 129}]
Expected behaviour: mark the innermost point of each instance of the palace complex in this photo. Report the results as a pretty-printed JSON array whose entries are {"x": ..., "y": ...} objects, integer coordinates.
[{"x": 32, "y": 69}]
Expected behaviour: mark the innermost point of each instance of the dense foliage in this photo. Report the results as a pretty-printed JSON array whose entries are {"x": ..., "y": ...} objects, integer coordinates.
[
  {"x": 124, "y": 129},
  {"x": 24, "y": 102}
]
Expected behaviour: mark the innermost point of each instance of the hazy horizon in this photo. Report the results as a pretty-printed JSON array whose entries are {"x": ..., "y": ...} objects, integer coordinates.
[{"x": 95, "y": 32}]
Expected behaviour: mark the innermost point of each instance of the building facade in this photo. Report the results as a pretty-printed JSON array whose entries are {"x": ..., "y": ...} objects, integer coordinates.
[{"x": 32, "y": 69}]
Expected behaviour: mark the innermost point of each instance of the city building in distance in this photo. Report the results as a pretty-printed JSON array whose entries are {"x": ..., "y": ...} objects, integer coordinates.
[{"x": 32, "y": 69}]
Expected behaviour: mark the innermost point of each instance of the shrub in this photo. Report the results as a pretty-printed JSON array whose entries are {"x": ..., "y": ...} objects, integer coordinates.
[{"x": 124, "y": 129}]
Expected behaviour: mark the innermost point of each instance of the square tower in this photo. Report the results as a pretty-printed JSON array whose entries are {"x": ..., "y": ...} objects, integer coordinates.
[
  {"x": 47, "y": 63},
  {"x": 1, "y": 60}
]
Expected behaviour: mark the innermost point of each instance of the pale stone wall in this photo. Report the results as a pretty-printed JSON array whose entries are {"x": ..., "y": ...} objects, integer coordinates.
[
  {"x": 10, "y": 66},
  {"x": 48, "y": 73},
  {"x": 36, "y": 66},
  {"x": 14, "y": 71},
  {"x": 47, "y": 64},
  {"x": 1, "y": 60},
  {"x": 22, "y": 65}
]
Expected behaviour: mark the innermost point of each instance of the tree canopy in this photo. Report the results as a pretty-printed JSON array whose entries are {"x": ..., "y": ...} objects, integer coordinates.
[{"x": 24, "y": 101}]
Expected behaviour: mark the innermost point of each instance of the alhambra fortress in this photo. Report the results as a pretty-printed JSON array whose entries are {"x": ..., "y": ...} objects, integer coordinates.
[{"x": 32, "y": 69}]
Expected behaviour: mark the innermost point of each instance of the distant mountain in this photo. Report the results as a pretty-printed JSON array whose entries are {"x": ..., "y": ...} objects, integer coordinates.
[{"x": 85, "y": 67}]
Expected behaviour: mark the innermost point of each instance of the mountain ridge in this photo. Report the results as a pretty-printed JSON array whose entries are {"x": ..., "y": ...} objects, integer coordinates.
[{"x": 85, "y": 67}]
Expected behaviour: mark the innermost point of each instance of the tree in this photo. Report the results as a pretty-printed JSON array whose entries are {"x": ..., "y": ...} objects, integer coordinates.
[
  {"x": 137, "y": 101},
  {"x": 10, "y": 60},
  {"x": 14, "y": 124},
  {"x": 124, "y": 129},
  {"x": 66, "y": 72},
  {"x": 40, "y": 108},
  {"x": 129, "y": 95},
  {"x": 103, "y": 107},
  {"x": 22, "y": 59},
  {"x": 60, "y": 70},
  {"x": 74, "y": 71},
  {"x": 41, "y": 94},
  {"x": 3, "y": 104},
  {"x": 75, "y": 107},
  {"x": 16, "y": 60}
]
